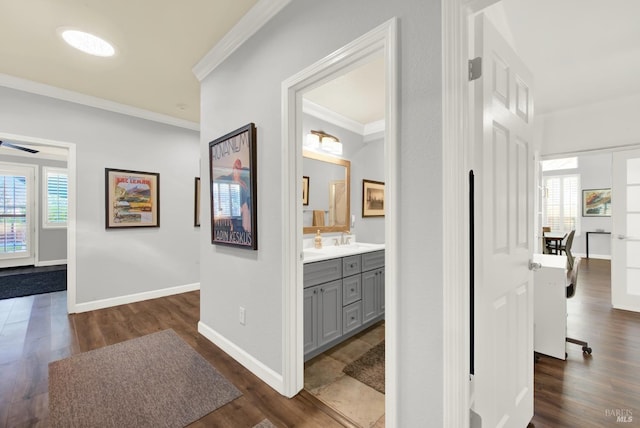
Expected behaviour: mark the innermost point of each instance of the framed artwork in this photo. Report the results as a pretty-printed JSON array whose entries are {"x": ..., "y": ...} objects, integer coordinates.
[
  {"x": 372, "y": 198},
  {"x": 232, "y": 169},
  {"x": 596, "y": 203},
  {"x": 196, "y": 207},
  {"x": 305, "y": 190},
  {"x": 132, "y": 198}
]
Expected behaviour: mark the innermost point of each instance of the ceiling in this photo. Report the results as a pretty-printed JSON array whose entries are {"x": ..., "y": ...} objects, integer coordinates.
[{"x": 579, "y": 51}]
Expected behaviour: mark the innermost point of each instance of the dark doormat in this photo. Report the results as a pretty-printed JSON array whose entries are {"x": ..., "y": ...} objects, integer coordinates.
[
  {"x": 369, "y": 368},
  {"x": 27, "y": 284}
]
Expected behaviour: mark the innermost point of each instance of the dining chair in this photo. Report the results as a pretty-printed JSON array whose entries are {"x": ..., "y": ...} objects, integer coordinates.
[
  {"x": 546, "y": 245},
  {"x": 566, "y": 247}
]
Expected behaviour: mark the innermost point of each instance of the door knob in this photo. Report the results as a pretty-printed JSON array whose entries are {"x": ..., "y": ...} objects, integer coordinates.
[{"x": 534, "y": 266}]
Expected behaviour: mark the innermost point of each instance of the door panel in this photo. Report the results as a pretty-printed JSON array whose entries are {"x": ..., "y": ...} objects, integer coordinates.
[
  {"x": 503, "y": 167},
  {"x": 625, "y": 248}
]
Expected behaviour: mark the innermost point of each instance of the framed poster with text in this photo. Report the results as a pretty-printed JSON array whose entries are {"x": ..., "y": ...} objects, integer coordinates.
[{"x": 132, "y": 198}]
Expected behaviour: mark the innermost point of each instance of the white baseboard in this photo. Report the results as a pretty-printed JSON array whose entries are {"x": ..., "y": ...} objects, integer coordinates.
[
  {"x": 132, "y": 298},
  {"x": 594, "y": 256},
  {"x": 267, "y": 375},
  {"x": 51, "y": 262}
]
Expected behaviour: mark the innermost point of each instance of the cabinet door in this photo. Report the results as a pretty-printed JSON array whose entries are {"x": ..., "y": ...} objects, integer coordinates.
[
  {"x": 330, "y": 311},
  {"x": 369, "y": 295},
  {"x": 380, "y": 286},
  {"x": 310, "y": 311}
]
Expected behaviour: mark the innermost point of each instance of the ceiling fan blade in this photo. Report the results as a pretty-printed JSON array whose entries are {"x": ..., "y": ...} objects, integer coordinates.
[{"x": 13, "y": 146}]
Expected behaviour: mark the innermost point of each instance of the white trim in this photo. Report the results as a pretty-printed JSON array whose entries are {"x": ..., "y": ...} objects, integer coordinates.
[
  {"x": 248, "y": 25},
  {"x": 88, "y": 100},
  {"x": 381, "y": 39},
  {"x": 269, "y": 376},
  {"x": 51, "y": 262},
  {"x": 372, "y": 129},
  {"x": 137, "y": 297}
]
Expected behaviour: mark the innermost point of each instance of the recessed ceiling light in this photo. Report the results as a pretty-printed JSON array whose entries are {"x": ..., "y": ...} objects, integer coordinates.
[{"x": 88, "y": 43}]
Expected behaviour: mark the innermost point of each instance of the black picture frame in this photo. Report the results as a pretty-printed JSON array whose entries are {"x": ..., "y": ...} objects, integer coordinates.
[
  {"x": 305, "y": 190},
  {"x": 196, "y": 206},
  {"x": 372, "y": 198},
  {"x": 233, "y": 195},
  {"x": 132, "y": 198}
]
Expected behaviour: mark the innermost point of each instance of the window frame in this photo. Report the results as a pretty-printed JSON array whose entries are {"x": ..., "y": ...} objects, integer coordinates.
[
  {"x": 46, "y": 224},
  {"x": 562, "y": 216}
]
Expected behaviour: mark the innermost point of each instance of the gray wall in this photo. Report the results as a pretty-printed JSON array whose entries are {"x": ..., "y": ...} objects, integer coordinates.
[
  {"x": 52, "y": 243},
  {"x": 113, "y": 263},
  {"x": 247, "y": 88}
]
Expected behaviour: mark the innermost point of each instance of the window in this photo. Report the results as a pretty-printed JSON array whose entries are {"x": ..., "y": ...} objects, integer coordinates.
[
  {"x": 558, "y": 164},
  {"x": 54, "y": 209},
  {"x": 13, "y": 214},
  {"x": 561, "y": 203}
]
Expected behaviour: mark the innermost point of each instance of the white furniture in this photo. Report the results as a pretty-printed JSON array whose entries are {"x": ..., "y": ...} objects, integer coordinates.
[{"x": 550, "y": 305}]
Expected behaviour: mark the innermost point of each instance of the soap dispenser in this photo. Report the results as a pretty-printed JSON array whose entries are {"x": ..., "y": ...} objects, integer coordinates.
[{"x": 318, "y": 240}]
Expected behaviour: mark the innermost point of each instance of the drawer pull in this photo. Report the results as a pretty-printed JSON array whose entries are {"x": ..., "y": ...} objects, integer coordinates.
[
  {"x": 353, "y": 318},
  {"x": 352, "y": 290},
  {"x": 351, "y": 265}
]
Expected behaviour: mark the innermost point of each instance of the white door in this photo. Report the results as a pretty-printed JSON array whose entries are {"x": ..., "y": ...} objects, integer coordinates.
[
  {"x": 503, "y": 166},
  {"x": 625, "y": 234},
  {"x": 16, "y": 215}
]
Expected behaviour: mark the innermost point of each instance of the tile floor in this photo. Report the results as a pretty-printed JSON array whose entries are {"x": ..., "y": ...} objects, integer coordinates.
[{"x": 323, "y": 377}]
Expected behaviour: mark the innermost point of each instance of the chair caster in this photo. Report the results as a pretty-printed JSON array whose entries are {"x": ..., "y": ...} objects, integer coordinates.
[{"x": 586, "y": 350}]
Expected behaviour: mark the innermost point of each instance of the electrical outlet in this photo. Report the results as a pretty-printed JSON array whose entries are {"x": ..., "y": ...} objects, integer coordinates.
[{"x": 242, "y": 316}]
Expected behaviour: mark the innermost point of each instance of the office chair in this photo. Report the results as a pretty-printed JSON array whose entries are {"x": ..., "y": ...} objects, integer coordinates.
[
  {"x": 566, "y": 247},
  {"x": 571, "y": 291}
]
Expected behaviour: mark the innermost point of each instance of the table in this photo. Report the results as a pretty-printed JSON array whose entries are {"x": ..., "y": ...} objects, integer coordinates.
[
  {"x": 550, "y": 305},
  {"x": 598, "y": 232},
  {"x": 555, "y": 238}
]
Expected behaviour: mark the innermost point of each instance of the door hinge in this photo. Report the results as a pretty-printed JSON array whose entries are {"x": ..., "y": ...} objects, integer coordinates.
[{"x": 475, "y": 68}]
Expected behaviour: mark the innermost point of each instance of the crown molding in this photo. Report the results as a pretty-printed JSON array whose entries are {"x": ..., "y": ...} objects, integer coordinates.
[
  {"x": 248, "y": 25},
  {"x": 370, "y": 131},
  {"x": 88, "y": 100}
]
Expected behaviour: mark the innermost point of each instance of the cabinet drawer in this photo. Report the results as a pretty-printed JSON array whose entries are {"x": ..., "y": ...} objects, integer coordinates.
[
  {"x": 351, "y": 265},
  {"x": 320, "y": 272},
  {"x": 351, "y": 289},
  {"x": 372, "y": 260},
  {"x": 351, "y": 317}
]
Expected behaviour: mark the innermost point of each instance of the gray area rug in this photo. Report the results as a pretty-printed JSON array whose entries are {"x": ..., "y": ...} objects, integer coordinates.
[
  {"x": 369, "y": 368},
  {"x": 265, "y": 423},
  {"x": 156, "y": 380}
]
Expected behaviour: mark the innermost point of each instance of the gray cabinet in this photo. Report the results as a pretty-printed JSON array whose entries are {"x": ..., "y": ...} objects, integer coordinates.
[{"x": 342, "y": 296}]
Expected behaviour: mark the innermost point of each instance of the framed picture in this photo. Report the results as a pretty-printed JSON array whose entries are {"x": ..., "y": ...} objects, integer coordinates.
[
  {"x": 372, "y": 198},
  {"x": 596, "y": 203},
  {"x": 305, "y": 190},
  {"x": 132, "y": 198},
  {"x": 196, "y": 207},
  {"x": 232, "y": 168}
]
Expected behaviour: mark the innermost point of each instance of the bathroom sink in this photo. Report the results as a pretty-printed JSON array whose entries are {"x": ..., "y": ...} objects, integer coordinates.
[{"x": 331, "y": 251}]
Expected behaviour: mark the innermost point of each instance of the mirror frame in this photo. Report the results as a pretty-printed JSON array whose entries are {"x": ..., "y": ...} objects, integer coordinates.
[{"x": 335, "y": 161}]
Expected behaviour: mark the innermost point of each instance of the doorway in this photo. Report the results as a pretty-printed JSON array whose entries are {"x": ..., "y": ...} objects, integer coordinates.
[
  {"x": 61, "y": 152},
  {"x": 380, "y": 40}
]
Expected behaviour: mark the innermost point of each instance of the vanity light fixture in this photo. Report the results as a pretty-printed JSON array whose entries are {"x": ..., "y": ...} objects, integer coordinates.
[
  {"x": 321, "y": 141},
  {"x": 87, "y": 43}
]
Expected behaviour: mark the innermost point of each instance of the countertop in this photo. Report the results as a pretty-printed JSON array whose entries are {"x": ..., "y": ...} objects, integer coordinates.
[{"x": 333, "y": 251}]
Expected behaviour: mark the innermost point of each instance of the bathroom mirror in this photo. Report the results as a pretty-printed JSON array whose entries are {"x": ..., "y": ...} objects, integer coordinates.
[{"x": 328, "y": 193}]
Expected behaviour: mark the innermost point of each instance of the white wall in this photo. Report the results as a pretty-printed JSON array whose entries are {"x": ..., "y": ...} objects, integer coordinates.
[
  {"x": 595, "y": 173},
  {"x": 246, "y": 88},
  {"x": 115, "y": 263},
  {"x": 609, "y": 123}
]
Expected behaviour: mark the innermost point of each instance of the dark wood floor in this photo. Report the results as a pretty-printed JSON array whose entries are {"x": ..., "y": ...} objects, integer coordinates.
[
  {"x": 36, "y": 330},
  {"x": 581, "y": 392},
  {"x": 590, "y": 391}
]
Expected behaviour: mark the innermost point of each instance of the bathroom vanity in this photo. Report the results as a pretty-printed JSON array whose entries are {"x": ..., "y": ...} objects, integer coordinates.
[{"x": 343, "y": 293}]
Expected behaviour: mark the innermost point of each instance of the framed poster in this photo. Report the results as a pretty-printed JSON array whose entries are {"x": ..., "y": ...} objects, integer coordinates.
[
  {"x": 132, "y": 198},
  {"x": 372, "y": 198},
  {"x": 232, "y": 168},
  {"x": 196, "y": 207},
  {"x": 305, "y": 190},
  {"x": 596, "y": 203}
]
